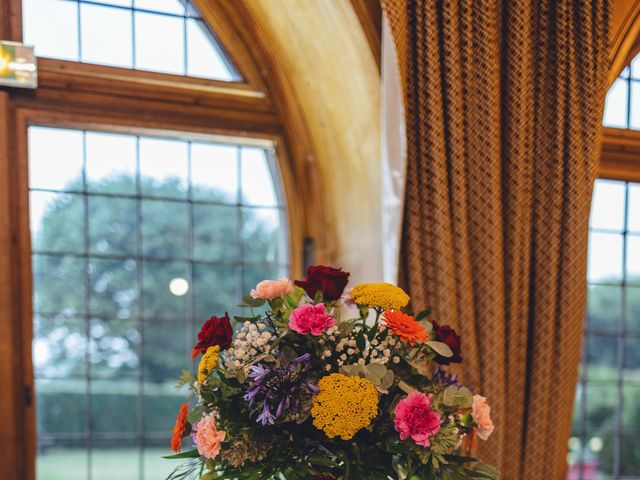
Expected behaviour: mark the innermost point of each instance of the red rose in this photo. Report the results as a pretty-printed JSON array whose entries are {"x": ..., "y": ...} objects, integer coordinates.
[
  {"x": 448, "y": 335},
  {"x": 215, "y": 331},
  {"x": 330, "y": 281}
]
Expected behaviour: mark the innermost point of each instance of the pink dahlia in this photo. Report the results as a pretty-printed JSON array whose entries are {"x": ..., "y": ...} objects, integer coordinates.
[
  {"x": 311, "y": 319},
  {"x": 270, "y": 289},
  {"x": 416, "y": 419},
  {"x": 208, "y": 438}
]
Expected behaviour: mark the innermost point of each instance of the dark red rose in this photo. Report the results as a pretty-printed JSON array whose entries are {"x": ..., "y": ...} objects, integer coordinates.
[
  {"x": 215, "y": 331},
  {"x": 323, "y": 477},
  {"x": 330, "y": 281},
  {"x": 448, "y": 335}
]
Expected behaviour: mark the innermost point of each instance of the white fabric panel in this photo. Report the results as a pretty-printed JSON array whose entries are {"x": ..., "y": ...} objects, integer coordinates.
[{"x": 394, "y": 156}]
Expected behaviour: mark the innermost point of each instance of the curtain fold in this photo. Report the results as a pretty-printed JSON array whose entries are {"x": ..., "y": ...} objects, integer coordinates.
[{"x": 503, "y": 105}]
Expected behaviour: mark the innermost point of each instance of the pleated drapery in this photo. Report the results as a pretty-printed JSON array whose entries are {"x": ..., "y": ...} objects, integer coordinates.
[{"x": 503, "y": 103}]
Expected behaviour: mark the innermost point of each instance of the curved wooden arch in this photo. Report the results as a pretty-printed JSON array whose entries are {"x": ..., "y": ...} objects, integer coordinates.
[
  {"x": 324, "y": 79},
  {"x": 625, "y": 30},
  {"x": 621, "y": 147}
]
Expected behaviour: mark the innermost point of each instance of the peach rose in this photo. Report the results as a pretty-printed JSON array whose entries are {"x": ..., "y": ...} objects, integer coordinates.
[
  {"x": 270, "y": 289},
  {"x": 208, "y": 437},
  {"x": 482, "y": 417}
]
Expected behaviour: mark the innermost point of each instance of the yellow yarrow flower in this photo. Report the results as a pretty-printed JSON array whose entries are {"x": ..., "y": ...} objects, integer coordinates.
[
  {"x": 382, "y": 295},
  {"x": 344, "y": 405},
  {"x": 208, "y": 362}
]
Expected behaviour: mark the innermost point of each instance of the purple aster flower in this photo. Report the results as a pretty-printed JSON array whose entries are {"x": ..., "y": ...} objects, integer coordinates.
[
  {"x": 445, "y": 378},
  {"x": 278, "y": 390}
]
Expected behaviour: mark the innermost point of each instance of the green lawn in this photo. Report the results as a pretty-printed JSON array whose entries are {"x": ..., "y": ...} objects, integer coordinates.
[{"x": 108, "y": 464}]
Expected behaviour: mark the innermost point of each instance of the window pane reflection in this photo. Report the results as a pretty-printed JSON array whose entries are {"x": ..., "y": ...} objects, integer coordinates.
[
  {"x": 159, "y": 43},
  {"x": 166, "y": 36},
  {"x": 137, "y": 240},
  {"x": 51, "y": 26},
  {"x": 615, "y": 110},
  {"x": 99, "y": 44},
  {"x": 607, "y": 405}
]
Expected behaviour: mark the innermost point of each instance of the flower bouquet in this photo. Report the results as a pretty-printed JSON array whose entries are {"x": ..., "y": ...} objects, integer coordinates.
[{"x": 322, "y": 382}]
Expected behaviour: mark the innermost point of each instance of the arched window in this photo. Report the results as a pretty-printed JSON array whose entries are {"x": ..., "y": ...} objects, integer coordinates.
[
  {"x": 153, "y": 166},
  {"x": 605, "y": 441},
  {"x": 166, "y": 36}
]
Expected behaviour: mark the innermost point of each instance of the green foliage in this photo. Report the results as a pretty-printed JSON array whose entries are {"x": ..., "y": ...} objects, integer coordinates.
[
  {"x": 63, "y": 407},
  {"x": 605, "y": 318},
  {"x": 110, "y": 289},
  {"x": 379, "y": 375},
  {"x": 459, "y": 397}
]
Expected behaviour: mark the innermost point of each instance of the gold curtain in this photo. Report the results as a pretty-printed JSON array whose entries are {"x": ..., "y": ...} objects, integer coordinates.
[{"x": 503, "y": 104}]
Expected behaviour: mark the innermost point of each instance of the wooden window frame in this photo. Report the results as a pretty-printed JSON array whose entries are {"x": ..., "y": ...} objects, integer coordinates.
[
  {"x": 620, "y": 158},
  {"x": 74, "y": 94}
]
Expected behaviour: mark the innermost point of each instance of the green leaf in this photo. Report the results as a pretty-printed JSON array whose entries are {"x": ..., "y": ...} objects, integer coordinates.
[
  {"x": 352, "y": 370},
  {"x": 440, "y": 348},
  {"x": 360, "y": 341},
  {"x": 186, "y": 378},
  {"x": 178, "y": 456},
  {"x": 209, "y": 476},
  {"x": 455, "y": 396},
  {"x": 460, "y": 459},
  {"x": 386, "y": 382},
  {"x": 423, "y": 314},
  {"x": 195, "y": 414},
  {"x": 253, "y": 302},
  {"x": 375, "y": 372},
  {"x": 322, "y": 460},
  {"x": 482, "y": 470}
]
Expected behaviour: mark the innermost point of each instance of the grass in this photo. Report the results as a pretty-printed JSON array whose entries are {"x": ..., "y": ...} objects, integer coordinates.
[{"x": 106, "y": 464}]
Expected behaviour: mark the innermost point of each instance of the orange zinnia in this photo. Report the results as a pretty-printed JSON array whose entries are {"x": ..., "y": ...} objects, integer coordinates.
[
  {"x": 405, "y": 327},
  {"x": 179, "y": 428}
]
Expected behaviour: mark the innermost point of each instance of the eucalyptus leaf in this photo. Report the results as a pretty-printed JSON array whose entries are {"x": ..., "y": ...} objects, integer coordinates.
[
  {"x": 253, "y": 302},
  {"x": 195, "y": 414},
  {"x": 387, "y": 382},
  {"x": 405, "y": 387},
  {"x": 375, "y": 372},
  {"x": 440, "y": 348},
  {"x": 455, "y": 396},
  {"x": 427, "y": 325},
  {"x": 352, "y": 370}
]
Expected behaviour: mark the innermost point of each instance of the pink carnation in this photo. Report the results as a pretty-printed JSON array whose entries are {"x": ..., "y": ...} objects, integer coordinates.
[
  {"x": 415, "y": 419},
  {"x": 482, "y": 416},
  {"x": 270, "y": 289},
  {"x": 311, "y": 319},
  {"x": 208, "y": 438}
]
